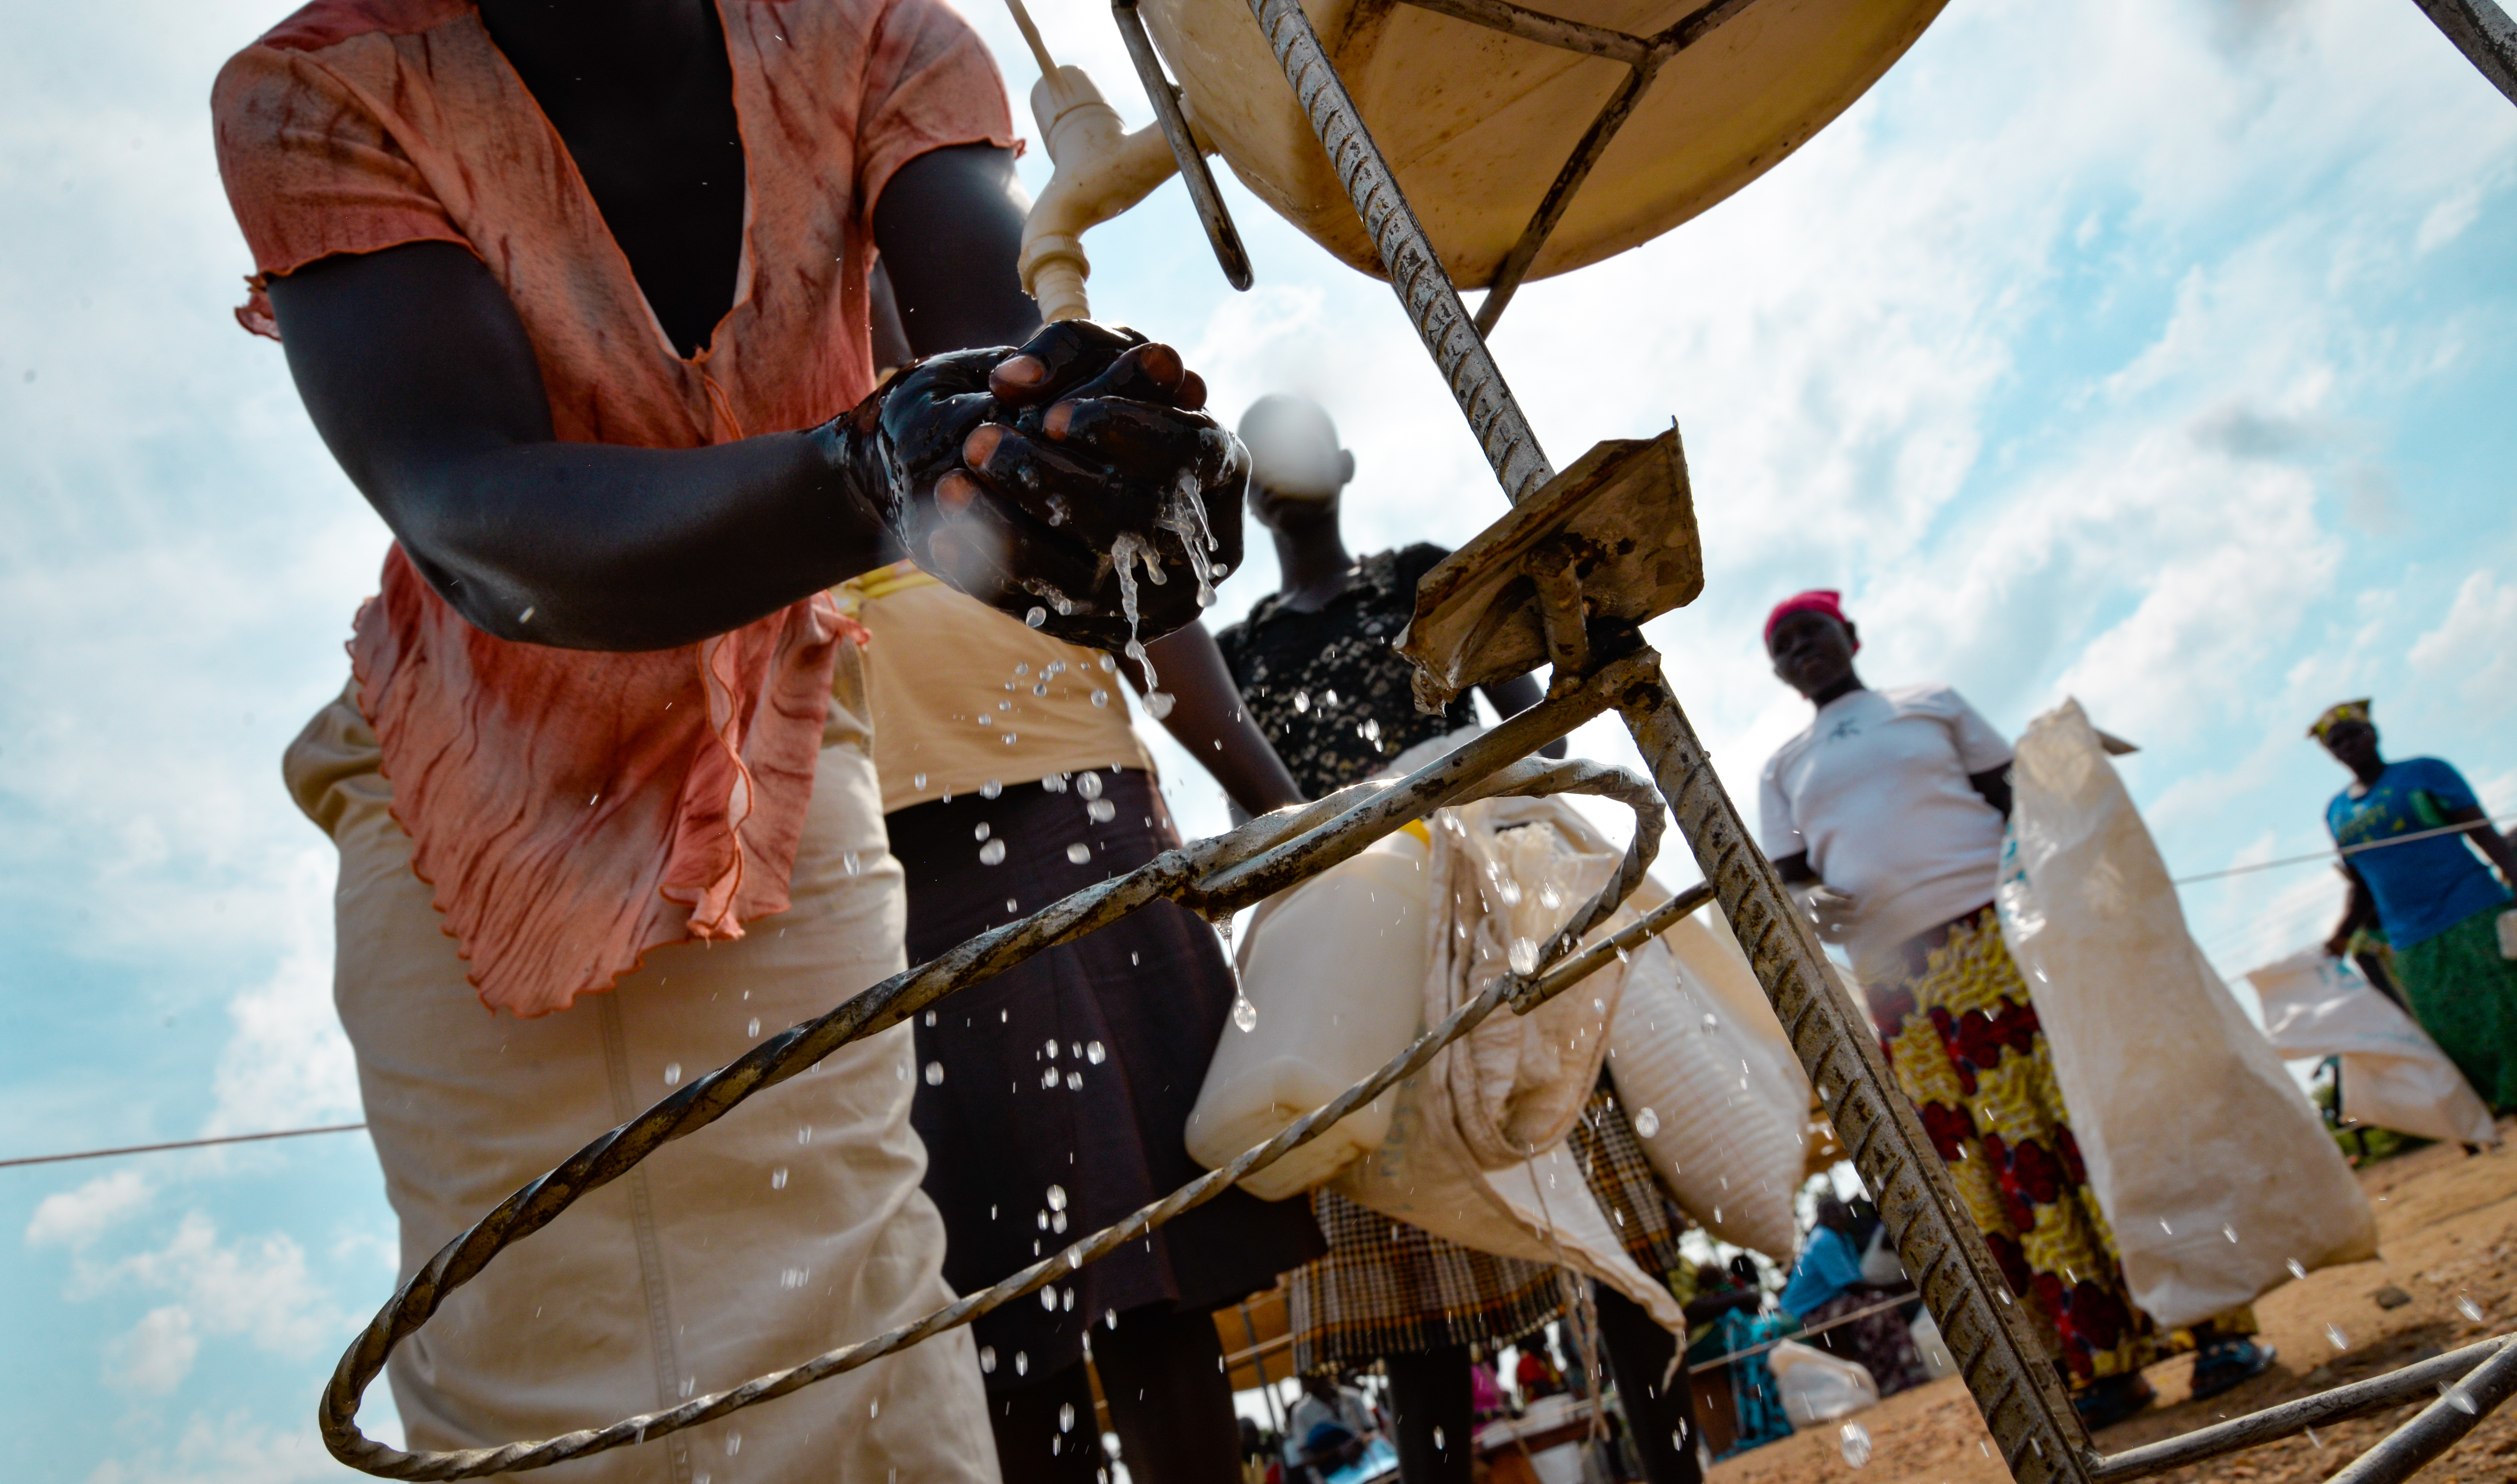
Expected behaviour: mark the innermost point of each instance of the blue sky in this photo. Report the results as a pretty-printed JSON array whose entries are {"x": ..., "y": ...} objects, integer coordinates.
[{"x": 2157, "y": 353}]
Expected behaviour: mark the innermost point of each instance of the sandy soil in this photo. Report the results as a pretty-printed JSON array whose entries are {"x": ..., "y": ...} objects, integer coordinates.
[{"x": 2446, "y": 1229}]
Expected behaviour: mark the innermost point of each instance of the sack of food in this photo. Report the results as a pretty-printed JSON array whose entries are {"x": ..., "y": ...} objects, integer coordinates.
[
  {"x": 1716, "y": 1096},
  {"x": 2214, "y": 1171},
  {"x": 1818, "y": 1387}
]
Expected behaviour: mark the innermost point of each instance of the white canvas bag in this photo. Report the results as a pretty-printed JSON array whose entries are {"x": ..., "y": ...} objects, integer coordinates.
[{"x": 2212, "y": 1166}]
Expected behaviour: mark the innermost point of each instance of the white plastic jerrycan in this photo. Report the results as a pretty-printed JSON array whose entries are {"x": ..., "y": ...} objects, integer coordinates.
[{"x": 1335, "y": 968}]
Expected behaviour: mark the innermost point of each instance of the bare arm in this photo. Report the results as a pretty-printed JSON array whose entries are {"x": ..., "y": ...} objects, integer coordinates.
[
  {"x": 1995, "y": 785},
  {"x": 2491, "y": 843},
  {"x": 420, "y": 378},
  {"x": 2358, "y": 912},
  {"x": 1208, "y": 718}
]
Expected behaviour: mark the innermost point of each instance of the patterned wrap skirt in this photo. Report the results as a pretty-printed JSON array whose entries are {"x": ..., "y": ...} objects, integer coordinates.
[
  {"x": 2464, "y": 994},
  {"x": 1965, "y": 1042}
]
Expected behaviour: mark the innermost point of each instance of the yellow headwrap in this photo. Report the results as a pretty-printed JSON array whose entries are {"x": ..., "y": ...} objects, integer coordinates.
[{"x": 2337, "y": 713}]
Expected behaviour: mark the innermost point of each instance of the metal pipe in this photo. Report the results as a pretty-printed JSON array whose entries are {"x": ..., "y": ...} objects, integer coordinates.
[
  {"x": 2293, "y": 1417},
  {"x": 2016, "y": 1386},
  {"x": 2484, "y": 33},
  {"x": 1416, "y": 272},
  {"x": 2439, "y": 1425},
  {"x": 1163, "y": 95}
]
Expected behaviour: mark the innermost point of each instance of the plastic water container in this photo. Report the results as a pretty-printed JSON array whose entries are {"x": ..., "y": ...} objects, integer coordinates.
[{"x": 1335, "y": 968}]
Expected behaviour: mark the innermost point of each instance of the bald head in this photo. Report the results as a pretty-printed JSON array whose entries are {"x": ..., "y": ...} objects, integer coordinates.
[{"x": 1294, "y": 452}]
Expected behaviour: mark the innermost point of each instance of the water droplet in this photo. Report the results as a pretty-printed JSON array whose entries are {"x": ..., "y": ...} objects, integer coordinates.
[
  {"x": 1100, "y": 697},
  {"x": 1244, "y": 1014},
  {"x": 1550, "y": 898},
  {"x": 672, "y": 1073},
  {"x": 988, "y": 1359},
  {"x": 1328, "y": 700},
  {"x": 849, "y": 863},
  {"x": 934, "y": 1073},
  {"x": 1438, "y": 1437},
  {"x": 1088, "y": 783},
  {"x": 1302, "y": 702},
  {"x": 1041, "y": 689},
  {"x": 1079, "y": 853},
  {"x": 2297, "y": 1269},
  {"x": 1855, "y": 1443},
  {"x": 753, "y": 1029},
  {"x": 732, "y": 1443},
  {"x": 1075, "y": 1082},
  {"x": 1524, "y": 956},
  {"x": 1022, "y": 1363},
  {"x": 1066, "y": 1416},
  {"x": 1598, "y": 1005},
  {"x": 803, "y": 1133},
  {"x": 992, "y": 852},
  {"x": 2340, "y": 1340},
  {"x": 1102, "y": 811},
  {"x": 2465, "y": 1307},
  {"x": 1158, "y": 704},
  {"x": 1647, "y": 1123},
  {"x": 1049, "y": 1298},
  {"x": 1057, "y": 1224},
  {"x": 1057, "y": 1198},
  {"x": 917, "y": 781},
  {"x": 2313, "y": 1439},
  {"x": 1093, "y": 1054},
  {"x": 1622, "y": 955},
  {"x": 2228, "y": 1231},
  {"x": 991, "y": 789},
  {"x": 1711, "y": 1021},
  {"x": 983, "y": 832},
  {"x": 1037, "y": 616},
  {"x": 778, "y": 1178},
  {"x": 875, "y": 1408}
]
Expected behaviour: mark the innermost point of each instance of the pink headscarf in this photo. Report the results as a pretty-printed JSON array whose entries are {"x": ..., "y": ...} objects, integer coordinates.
[{"x": 1817, "y": 600}]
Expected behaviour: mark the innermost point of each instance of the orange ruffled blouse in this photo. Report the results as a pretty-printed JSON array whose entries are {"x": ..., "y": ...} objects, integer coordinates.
[{"x": 573, "y": 809}]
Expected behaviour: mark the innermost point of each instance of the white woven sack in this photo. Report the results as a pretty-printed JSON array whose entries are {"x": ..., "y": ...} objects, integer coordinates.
[
  {"x": 2393, "y": 1075},
  {"x": 2213, "y": 1171},
  {"x": 1696, "y": 1044}
]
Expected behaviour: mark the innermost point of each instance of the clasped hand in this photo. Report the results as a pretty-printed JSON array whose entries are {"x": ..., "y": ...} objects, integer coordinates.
[{"x": 1012, "y": 474}]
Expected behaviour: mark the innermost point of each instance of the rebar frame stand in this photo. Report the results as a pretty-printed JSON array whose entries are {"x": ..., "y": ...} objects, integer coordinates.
[{"x": 2037, "y": 1430}]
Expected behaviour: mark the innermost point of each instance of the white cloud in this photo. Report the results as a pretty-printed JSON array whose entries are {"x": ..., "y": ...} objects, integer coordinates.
[
  {"x": 2471, "y": 648},
  {"x": 155, "y": 1356},
  {"x": 229, "y": 1450},
  {"x": 287, "y": 1063},
  {"x": 258, "y": 1287},
  {"x": 73, "y": 1218}
]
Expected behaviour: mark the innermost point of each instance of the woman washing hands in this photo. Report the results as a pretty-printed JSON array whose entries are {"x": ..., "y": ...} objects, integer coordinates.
[
  {"x": 1892, "y": 805},
  {"x": 578, "y": 296}
]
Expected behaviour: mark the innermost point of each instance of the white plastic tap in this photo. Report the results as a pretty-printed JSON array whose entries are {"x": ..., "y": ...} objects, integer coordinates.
[{"x": 1102, "y": 170}]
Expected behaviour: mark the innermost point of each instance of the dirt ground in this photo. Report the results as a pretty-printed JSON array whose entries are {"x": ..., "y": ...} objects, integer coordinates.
[{"x": 2447, "y": 1228}]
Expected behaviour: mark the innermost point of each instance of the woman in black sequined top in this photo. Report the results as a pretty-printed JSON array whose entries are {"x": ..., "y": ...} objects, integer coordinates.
[{"x": 1313, "y": 660}]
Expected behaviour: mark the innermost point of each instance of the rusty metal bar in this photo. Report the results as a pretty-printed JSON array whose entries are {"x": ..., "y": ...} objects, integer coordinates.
[
  {"x": 1165, "y": 96},
  {"x": 1416, "y": 272},
  {"x": 2484, "y": 33},
  {"x": 2293, "y": 1417},
  {"x": 1544, "y": 30},
  {"x": 1212, "y": 876},
  {"x": 2460, "y": 1409},
  {"x": 2016, "y": 1386},
  {"x": 1559, "y": 199}
]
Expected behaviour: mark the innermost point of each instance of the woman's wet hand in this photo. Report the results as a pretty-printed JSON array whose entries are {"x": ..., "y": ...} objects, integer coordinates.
[{"x": 1082, "y": 437}]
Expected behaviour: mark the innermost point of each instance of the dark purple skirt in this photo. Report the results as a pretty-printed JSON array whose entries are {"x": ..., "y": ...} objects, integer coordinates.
[{"x": 1029, "y": 1149}]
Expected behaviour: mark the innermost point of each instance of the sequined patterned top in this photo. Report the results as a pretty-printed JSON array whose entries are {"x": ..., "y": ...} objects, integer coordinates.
[{"x": 1326, "y": 688}]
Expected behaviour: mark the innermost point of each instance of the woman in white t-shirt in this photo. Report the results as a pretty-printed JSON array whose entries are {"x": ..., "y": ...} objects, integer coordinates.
[{"x": 1891, "y": 807}]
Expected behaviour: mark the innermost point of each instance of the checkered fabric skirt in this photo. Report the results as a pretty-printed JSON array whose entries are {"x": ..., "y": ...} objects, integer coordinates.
[{"x": 1387, "y": 1288}]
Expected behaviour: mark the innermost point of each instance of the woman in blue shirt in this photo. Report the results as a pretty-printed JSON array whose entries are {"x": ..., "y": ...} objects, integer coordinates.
[{"x": 2438, "y": 904}]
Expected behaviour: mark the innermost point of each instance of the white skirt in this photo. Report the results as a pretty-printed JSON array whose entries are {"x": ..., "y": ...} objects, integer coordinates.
[{"x": 790, "y": 1226}]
